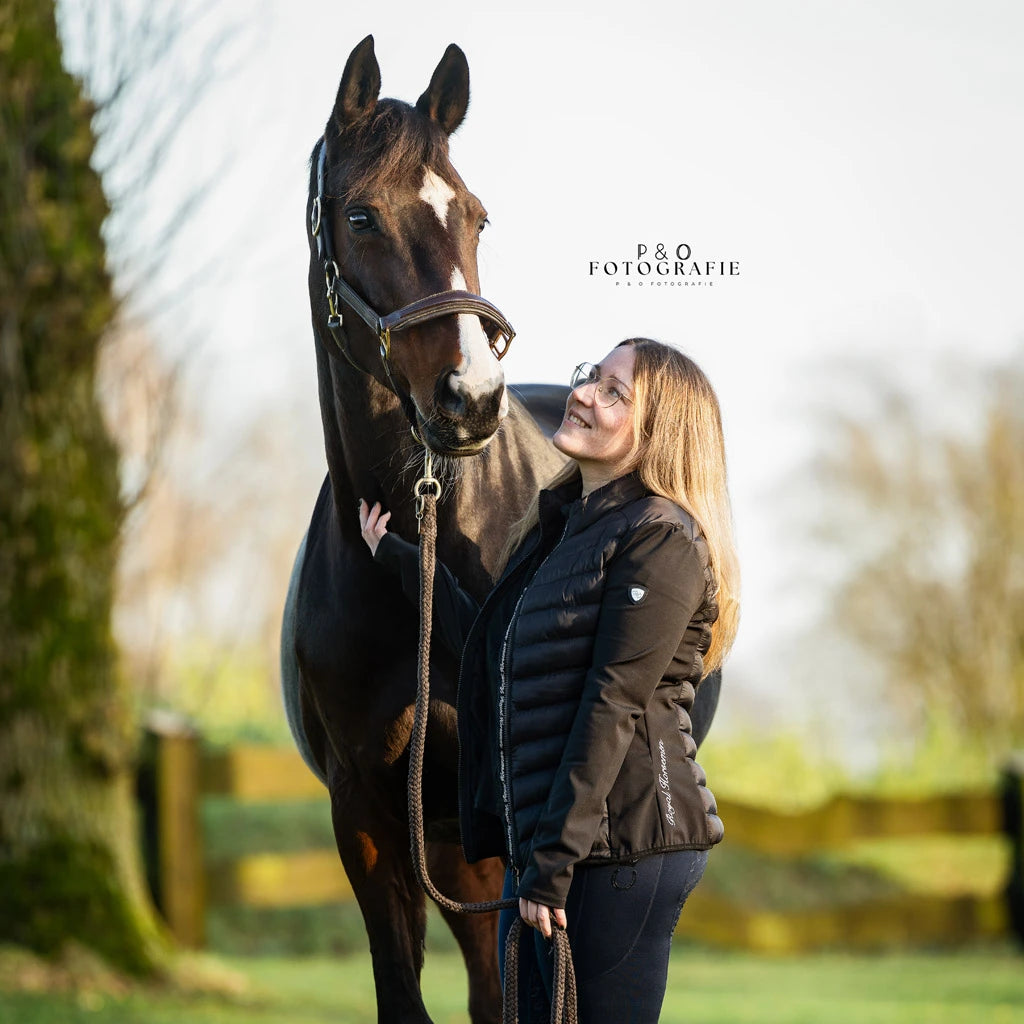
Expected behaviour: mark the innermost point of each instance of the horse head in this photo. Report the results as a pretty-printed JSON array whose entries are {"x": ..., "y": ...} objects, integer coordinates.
[{"x": 392, "y": 222}]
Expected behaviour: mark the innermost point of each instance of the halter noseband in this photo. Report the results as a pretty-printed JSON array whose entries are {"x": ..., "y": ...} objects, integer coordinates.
[{"x": 430, "y": 307}]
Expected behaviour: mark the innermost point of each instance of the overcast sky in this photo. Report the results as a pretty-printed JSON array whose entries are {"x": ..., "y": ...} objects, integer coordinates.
[{"x": 861, "y": 162}]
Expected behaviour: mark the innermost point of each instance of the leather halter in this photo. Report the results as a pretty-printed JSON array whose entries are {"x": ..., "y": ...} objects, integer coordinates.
[{"x": 430, "y": 307}]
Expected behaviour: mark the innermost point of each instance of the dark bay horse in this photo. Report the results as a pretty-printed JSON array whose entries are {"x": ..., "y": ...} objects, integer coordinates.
[
  {"x": 403, "y": 226},
  {"x": 390, "y": 224}
]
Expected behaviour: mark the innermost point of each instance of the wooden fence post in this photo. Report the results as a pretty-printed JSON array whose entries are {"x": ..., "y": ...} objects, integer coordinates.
[
  {"x": 1013, "y": 822},
  {"x": 179, "y": 861}
]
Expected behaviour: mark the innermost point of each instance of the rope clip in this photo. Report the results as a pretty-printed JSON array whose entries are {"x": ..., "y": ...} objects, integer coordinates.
[{"x": 427, "y": 484}]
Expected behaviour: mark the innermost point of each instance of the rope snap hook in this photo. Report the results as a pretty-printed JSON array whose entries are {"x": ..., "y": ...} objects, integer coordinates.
[{"x": 428, "y": 484}]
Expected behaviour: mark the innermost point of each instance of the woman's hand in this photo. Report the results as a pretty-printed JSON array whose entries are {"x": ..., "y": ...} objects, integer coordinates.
[
  {"x": 536, "y": 915},
  {"x": 373, "y": 524}
]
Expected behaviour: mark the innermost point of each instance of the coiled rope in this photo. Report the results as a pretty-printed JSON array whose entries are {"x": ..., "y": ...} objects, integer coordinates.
[{"x": 563, "y": 1002}]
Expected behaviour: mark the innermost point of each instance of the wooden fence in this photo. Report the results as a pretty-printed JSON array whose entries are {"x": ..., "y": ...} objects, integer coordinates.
[
  {"x": 905, "y": 918},
  {"x": 182, "y": 773}
]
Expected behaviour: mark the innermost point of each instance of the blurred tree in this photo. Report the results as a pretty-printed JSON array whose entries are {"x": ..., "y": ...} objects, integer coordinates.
[
  {"x": 68, "y": 856},
  {"x": 206, "y": 547},
  {"x": 933, "y": 517},
  {"x": 196, "y": 583}
]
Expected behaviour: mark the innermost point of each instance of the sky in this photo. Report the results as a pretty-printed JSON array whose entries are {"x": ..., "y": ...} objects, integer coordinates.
[{"x": 859, "y": 163}]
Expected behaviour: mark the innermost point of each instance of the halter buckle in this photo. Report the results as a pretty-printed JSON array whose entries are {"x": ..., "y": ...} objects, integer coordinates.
[
  {"x": 331, "y": 275},
  {"x": 501, "y": 343}
]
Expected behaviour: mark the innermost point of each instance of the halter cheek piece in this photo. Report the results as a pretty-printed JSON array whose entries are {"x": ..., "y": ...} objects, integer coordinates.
[{"x": 431, "y": 307}]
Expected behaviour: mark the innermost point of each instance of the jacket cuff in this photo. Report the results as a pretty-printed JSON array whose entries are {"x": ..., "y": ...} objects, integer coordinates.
[
  {"x": 394, "y": 554},
  {"x": 550, "y": 892}
]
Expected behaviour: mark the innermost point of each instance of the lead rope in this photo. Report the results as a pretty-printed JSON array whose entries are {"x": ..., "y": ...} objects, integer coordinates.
[{"x": 563, "y": 1003}]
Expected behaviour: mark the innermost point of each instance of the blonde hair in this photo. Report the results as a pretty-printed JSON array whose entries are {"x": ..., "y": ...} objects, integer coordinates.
[{"x": 679, "y": 453}]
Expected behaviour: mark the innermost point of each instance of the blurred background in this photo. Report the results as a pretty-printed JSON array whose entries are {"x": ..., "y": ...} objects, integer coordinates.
[{"x": 858, "y": 165}]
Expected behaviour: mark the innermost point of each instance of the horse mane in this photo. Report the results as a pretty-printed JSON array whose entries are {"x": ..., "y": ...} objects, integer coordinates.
[{"x": 382, "y": 150}]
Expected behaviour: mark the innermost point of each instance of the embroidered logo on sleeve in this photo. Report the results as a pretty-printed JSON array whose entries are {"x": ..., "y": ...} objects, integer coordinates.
[{"x": 637, "y": 593}]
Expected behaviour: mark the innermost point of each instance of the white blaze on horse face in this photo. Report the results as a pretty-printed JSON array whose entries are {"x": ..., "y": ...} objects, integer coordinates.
[
  {"x": 437, "y": 194},
  {"x": 480, "y": 370}
]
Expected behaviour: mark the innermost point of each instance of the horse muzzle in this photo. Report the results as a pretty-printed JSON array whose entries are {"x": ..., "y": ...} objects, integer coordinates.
[{"x": 463, "y": 420}]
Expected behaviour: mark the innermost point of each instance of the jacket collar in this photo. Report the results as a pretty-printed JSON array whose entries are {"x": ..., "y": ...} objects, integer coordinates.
[{"x": 564, "y": 505}]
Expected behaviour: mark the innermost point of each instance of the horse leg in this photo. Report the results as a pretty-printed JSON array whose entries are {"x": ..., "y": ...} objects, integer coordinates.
[
  {"x": 374, "y": 848},
  {"x": 476, "y": 934}
]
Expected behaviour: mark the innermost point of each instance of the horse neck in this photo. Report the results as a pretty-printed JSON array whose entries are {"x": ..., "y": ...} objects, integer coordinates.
[
  {"x": 491, "y": 493},
  {"x": 366, "y": 439}
]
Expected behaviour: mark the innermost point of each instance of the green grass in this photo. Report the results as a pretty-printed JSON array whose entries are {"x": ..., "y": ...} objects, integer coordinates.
[{"x": 973, "y": 987}]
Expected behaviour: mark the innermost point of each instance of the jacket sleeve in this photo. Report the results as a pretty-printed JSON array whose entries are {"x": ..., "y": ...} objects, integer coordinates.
[
  {"x": 637, "y": 636},
  {"x": 454, "y": 608}
]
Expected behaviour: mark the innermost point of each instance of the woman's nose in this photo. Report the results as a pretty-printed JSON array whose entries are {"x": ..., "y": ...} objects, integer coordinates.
[{"x": 581, "y": 394}]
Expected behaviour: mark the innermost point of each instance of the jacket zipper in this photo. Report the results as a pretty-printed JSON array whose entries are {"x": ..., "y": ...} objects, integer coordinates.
[
  {"x": 504, "y": 730},
  {"x": 462, "y": 666}
]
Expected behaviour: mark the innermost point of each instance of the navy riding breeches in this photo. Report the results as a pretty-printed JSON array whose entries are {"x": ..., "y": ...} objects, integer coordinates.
[{"x": 621, "y": 918}]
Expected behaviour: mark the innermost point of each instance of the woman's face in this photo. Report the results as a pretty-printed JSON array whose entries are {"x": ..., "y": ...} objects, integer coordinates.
[{"x": 598, "y": 436}]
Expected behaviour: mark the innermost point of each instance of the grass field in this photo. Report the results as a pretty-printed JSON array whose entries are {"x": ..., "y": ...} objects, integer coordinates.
[{"x": 976, "y": 987}]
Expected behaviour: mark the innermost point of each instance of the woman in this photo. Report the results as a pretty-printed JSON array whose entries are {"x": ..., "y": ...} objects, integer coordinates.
[{"x": 579, "y": 672}]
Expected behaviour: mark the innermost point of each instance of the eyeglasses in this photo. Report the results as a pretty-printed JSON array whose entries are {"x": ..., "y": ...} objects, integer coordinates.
[{"x": 608, "y": 390}]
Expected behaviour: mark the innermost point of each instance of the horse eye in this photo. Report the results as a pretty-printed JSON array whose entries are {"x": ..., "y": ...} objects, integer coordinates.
[{"x": 359, "y": 220}]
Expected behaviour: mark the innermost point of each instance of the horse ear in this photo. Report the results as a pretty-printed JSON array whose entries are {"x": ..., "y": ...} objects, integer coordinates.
[
  {"x": 447, "y": 96},
  {"x": 360, "y": 86}
]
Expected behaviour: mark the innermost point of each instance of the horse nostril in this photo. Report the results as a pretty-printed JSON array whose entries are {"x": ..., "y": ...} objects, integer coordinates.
[
  {"x": 452, "y": 396},
  {"x": 474, "y": 408}
]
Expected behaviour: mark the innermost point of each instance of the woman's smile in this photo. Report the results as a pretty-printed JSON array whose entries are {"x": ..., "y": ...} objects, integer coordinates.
[{"x": 599, "y": 435}]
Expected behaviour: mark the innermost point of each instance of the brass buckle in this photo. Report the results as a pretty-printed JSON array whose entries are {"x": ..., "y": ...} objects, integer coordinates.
[
  {"x": 331, "y": 274},
  {"x": 501, "y": 344}
]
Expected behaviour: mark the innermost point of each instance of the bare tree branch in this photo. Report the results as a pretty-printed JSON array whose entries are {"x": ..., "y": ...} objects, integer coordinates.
[{"x": 933, "y": 521}]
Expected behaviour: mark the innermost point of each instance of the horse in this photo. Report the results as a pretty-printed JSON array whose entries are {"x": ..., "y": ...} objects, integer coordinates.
[
  {"x": 402, "y": 225},
  {"x": 391, "y": 225}
]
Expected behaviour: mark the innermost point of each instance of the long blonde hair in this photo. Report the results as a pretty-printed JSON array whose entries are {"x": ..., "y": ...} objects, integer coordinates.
[{"x": 678, "y": 452}]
